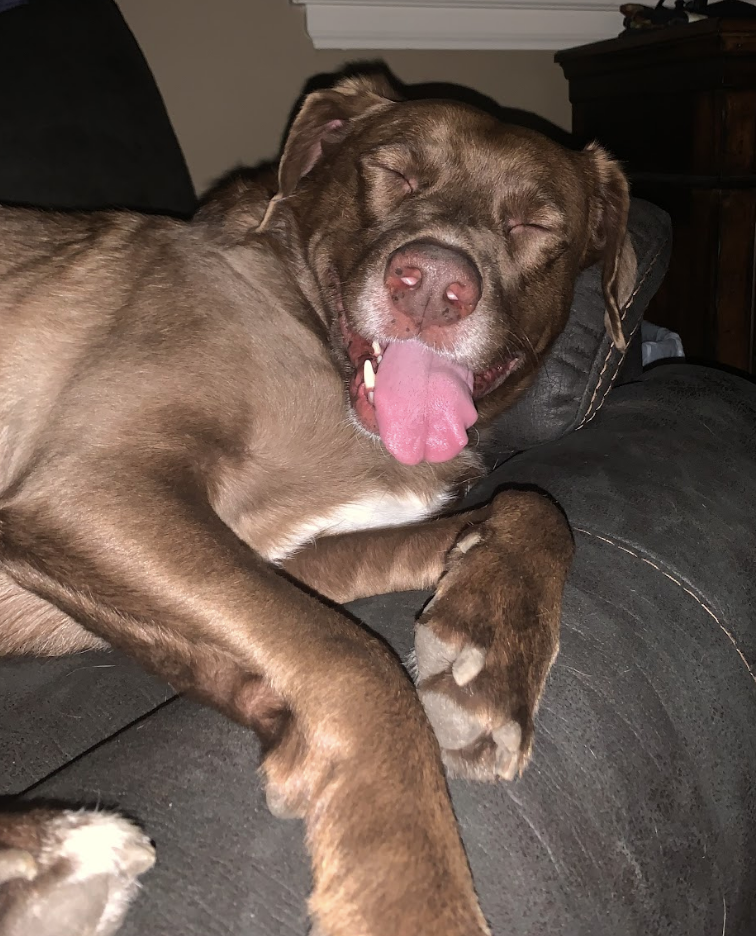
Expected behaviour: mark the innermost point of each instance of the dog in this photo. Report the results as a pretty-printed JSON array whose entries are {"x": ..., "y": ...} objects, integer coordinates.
[{"x": 212, "y": 433}]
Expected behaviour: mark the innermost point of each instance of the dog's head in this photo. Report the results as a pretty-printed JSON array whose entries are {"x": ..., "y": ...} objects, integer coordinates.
[{"x": 445, "y": 247}]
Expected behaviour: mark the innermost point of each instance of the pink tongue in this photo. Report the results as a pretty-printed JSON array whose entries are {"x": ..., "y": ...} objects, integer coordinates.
[{"x": 423, "y": 403}]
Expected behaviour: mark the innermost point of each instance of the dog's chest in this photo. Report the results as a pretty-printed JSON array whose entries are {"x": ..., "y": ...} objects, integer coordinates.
[{"x": 371, "y": 511}]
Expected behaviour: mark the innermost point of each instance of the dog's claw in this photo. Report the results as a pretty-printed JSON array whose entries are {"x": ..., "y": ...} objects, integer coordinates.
[
  {"x": 466, "y": 543},
  {"x": 278, "y": 804},
  {"x": 508, "y": 740},
  {"x": 15, "y": 864},
  {"x": 468, "y": 664}
]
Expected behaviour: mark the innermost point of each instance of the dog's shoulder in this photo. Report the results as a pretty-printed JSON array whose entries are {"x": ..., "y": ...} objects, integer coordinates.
[{"x": 236, "y": 205}]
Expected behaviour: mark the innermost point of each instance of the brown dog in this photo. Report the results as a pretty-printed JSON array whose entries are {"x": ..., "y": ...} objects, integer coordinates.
[{"x": 198, "y": 419}]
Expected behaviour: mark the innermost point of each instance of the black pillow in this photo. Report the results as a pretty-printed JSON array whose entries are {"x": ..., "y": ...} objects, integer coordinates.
[
  {"x": 83, "y": 123},
  {"x": 583, "y": 364}
]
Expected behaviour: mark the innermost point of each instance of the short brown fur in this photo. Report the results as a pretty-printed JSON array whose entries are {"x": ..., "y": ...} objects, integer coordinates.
[{"x": 176, "y": 436}]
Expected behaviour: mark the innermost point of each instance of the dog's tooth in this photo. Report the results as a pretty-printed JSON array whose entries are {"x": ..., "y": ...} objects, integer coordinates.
[
  {"x": 371, "y": 397},
  {"x": 377, "y": 351},
  {"x": 369, "y": 375}
]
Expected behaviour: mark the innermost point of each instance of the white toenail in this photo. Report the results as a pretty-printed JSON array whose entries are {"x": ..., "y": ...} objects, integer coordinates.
[
  {"x": 508, "y": 736},
  {"x": 15, "y": 863},
  {"x": 467, "y": 542},
  {"x": 468, "y": 664},
  {"x": 506, "y": 764}
]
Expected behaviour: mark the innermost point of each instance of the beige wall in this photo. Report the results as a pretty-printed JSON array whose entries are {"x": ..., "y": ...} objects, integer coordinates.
[{"x": 230, "y": 71}]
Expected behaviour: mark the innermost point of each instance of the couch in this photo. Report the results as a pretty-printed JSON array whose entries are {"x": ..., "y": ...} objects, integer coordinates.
[{"x": 636, "y": 815}]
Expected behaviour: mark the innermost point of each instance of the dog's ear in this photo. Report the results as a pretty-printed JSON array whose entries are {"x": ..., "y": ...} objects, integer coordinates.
[
  {"x": 324, "y": 118},
  {"x": 608, "y": 237}
]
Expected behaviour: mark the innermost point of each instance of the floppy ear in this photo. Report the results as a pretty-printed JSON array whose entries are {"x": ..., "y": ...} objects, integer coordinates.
[
  {"x": 324, "y": 118},
  {"x": 609, "y": 238}
]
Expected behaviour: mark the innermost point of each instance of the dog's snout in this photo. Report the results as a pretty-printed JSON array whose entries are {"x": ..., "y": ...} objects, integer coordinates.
[{"x": 432, "y": 284}]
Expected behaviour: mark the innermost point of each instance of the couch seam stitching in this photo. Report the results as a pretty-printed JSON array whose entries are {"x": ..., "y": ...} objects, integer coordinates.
[
  {"x": 588, "y": 415},
  {"x": 677, "y": 582}
]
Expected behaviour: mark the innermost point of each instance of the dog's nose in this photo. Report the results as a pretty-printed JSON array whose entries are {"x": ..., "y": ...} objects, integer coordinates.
[{"x": 431, "y": 284}]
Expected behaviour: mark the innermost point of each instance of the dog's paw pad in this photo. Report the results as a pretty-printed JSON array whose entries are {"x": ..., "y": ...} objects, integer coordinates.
[
  {"x": 454, "y": 726},
  {"x": 432, "y": 655}
]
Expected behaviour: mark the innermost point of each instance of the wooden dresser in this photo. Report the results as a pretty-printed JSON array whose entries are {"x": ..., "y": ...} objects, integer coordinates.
[{"x": 678, "y": 107}]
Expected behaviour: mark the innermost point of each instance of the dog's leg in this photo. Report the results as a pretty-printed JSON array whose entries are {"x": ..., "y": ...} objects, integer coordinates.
[
  {"x": 486, "y": 641},
  {"x": 349, "y": 566},
  {"x": 349, "y": 746},
  {"x": 28, "y": 624}
]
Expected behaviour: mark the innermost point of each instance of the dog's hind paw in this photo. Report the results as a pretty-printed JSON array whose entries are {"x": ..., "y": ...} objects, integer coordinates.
[{"x": 68, "y": 873}]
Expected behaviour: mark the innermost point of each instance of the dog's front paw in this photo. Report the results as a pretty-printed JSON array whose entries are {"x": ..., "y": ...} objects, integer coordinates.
[
  {"x": 68, "y": 873},
  {"x": 483, "y": 724},
  {"x": 486, "y": 641}
]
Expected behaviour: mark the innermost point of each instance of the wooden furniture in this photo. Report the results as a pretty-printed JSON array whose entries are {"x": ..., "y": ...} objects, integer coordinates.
[{"x": 678, "y": 107}]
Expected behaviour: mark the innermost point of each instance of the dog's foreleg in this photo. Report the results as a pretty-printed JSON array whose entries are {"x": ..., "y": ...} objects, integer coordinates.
[
  {"x": 349, "y": 566},
  {"x": 486, "y": 641},
  {"x": 349, "y": 747}
]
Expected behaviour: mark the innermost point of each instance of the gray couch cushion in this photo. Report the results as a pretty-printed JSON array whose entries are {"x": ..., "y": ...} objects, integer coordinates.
[
  {"x": 53, "y": 710},
  {"x": 583, "y": 364},
  {"x": 637, "y": 814},
  {"x": 673, "y": 475}
]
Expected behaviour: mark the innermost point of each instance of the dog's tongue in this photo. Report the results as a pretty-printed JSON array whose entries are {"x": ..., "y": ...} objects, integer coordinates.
[{"x": 423, "y": 403}]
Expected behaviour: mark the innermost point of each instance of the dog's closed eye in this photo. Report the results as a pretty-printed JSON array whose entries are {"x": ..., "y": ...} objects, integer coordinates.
[
  {"x": 528, "y": 213},
  {"x": 535, "y": 233},
  {"x": 532, "y": 224},
  {"x": 385, "y": 170},
  {"x": 393, "y": 165},
  {"x": 520, "y": 227},
  {"x": 389, "y": 179},
  {"x": 408, "y": 182}
]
